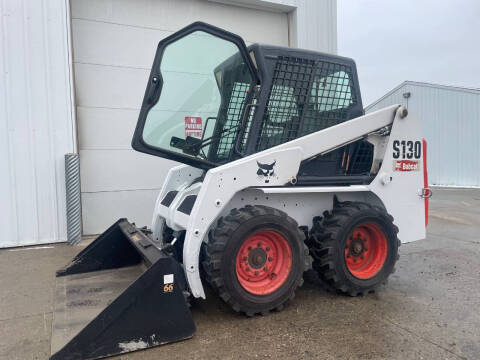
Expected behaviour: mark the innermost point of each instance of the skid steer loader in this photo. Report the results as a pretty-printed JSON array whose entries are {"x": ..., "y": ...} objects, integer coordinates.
[{"x": 282, "y": 172}]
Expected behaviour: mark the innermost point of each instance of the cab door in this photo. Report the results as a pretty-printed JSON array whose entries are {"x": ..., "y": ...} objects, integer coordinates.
[{"x": 186, "y": 109}]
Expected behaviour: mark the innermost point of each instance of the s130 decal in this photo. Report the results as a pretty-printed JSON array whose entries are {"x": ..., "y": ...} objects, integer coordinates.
[{"x": 407, "y": 149}]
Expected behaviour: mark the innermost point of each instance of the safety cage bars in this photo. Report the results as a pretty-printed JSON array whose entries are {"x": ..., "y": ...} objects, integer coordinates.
[{"x": 305, "y": 96}]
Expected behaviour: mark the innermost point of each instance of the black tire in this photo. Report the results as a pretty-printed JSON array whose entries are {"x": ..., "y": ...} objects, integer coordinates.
[
  {"x": 225, "y": 242},
  {"x": 329, "y": 247}
]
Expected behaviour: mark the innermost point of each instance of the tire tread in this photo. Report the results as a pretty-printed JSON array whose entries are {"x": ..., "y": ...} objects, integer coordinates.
[
  {"x": 323, "y": 239},
  {"x": 218, "y": 239}
]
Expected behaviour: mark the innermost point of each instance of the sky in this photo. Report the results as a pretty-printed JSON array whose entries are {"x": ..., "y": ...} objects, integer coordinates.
[{"x": 420, "y": 40}]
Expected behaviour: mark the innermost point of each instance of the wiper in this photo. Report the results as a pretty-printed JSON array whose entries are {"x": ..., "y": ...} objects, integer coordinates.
[{"x": 192, "y": 146}]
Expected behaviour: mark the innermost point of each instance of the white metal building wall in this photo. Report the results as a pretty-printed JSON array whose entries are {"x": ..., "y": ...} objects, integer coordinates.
[
  {"x": 451, "y": 125},
  {"x": 312, "y": 23},
  {"x": 114, "y": 45},
  {"x": 36, "y": 120}
]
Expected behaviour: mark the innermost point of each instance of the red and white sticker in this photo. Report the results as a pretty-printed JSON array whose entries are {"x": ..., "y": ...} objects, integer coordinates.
[
  {"x": 406, "y": 165},
  {"x": 193, "y": 126}
]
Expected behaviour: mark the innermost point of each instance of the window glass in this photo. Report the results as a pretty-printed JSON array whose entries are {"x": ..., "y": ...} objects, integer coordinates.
[
  {"x": 332, "y": 92},
  {"x": 282, "y": 113},
  {"x": 233, "y": 117},
  {"x": 198, "y": 73}
]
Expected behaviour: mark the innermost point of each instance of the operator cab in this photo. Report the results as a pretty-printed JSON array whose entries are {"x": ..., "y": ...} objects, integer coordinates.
[{"x": 211, "y": 100}]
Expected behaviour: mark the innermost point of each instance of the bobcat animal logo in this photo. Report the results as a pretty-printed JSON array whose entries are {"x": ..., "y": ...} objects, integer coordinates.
[{"x": 266, "y": 171}]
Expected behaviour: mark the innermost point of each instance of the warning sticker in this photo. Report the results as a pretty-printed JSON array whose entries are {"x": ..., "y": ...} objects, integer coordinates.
[
  {"x": 193, "y": 126},
  {"x": 168, "y": 283},
  {"x": 168, "y": 279},
  {"x": 406, "y": 165}
]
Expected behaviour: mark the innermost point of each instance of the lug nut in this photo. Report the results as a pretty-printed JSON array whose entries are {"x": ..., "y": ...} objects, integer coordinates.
[
  {"x": 354, "y": 259},
  {"x": 248, "y": 269},
  {"x": 256, "y": 273},
  {"x": 249, "y": 248},
  {"x": 265, "y": 268},
  {"x": 245, "y": 258},
  {"x": 268, "y": 249},
  {"x": 361, "y": 257},
  {"x": 259, "y": 244},
  {"x": 270, "y": 259}
]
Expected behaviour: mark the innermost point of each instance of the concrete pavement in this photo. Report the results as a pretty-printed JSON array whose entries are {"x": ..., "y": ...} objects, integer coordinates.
[{"x": 429, "y": 309}]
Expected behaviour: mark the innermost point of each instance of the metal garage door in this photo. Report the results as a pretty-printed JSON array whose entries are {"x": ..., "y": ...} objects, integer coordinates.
[
  {"x": 114, "y": 43},
  {"x": 36, "y": 121}
]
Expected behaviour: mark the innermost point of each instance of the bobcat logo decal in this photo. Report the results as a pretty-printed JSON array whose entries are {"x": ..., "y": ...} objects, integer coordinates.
[{"x": 266, "y": 171}]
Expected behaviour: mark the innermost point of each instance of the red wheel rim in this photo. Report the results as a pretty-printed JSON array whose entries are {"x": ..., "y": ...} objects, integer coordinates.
[
  {"x": 366, "y": 251},
  {"x": 263, "y": 262}
]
